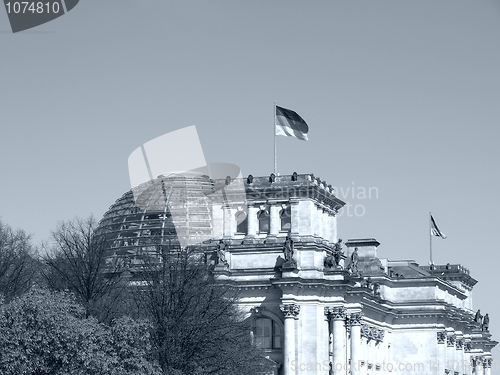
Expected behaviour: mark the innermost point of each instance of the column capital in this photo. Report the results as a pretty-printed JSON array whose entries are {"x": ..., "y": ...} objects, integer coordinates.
[
  {"x": 487, "y": 362},
  {"x": 336, "y": 313},
  {"x": 459, "y": 344},
  {"x": 450, "y": 340},
  {"x": 441, "y": 337},
  {"x": 355, "y": 318},
  {"x": 467, "y": 346},
  {"x": 290, "y": 310}
]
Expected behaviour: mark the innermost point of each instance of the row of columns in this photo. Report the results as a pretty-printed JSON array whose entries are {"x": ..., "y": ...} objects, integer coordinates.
[
  {"x": 457, "y": 356},
  {"x": 252, "y": 219},
  {"x": 364, "y": 344},
  {"x": 322, "y": 223}
]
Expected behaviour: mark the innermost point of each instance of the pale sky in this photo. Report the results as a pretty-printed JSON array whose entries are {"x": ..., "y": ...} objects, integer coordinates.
[{"x": 399, "y": 96}]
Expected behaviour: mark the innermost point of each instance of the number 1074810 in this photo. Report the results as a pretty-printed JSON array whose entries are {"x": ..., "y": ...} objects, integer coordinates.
[{"x": 32, "y": 7}]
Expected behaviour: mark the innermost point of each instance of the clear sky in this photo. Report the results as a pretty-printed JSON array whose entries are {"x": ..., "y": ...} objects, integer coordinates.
[{"x": 399, "y": 96}]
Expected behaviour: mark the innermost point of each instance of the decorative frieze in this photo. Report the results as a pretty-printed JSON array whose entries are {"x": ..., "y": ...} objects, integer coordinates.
[
  {"x": 290, "y": 310},
  {"x": 372, "y": 333},
  {"x": 459, "y": 343}
]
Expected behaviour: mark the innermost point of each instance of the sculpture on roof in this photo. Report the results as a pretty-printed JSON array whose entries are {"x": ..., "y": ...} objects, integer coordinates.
[
  {"x": 478, "y": 316},
  {"x": 336, "y": 256},
  {"x": 337, "y": 251},
  {"x": 221, "y": 253},
  {"x": 353, "y": 266},
  {"x": 486, "y": 323}
]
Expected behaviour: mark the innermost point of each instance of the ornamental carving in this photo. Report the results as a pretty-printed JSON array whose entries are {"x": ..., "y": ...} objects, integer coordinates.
[
  {"x": 487, "y": 362},
  {"x": 441, "y": 337},
  {"x": 477, "y": 361},
  {"x": 355, "y": 318},
  {"x": 372, "y": 333},
  {"x": 450, "y": 340},
  {"x": 467, "y": 346},
  {"x": 366, "y": 331},
  {"x": 381, "y": 334},
  {"x": 460, "y": 344},
  {"x": 336, "y": 313},
  {"x": 290, "y": 310}
]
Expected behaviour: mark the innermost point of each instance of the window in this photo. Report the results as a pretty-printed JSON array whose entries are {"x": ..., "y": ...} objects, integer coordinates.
[
  {"x": 267, "y": 334},
  {"x": 263, "y": 217},
  {"x": 241, "y": 221},
  {"x": 286, "y": 218}
]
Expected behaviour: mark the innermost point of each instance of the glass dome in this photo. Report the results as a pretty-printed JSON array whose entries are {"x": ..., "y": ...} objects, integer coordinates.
[{"x": 167, "y": 213}]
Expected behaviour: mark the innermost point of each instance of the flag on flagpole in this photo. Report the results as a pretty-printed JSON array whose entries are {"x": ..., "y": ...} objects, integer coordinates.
[
  {"x": 290, "y": 124},
  {"x": 435, "y": 230}
]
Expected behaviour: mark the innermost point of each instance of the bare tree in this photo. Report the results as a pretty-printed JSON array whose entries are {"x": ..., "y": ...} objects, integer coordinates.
[
  {"x": 196, "y": 326},
  {"x": 76, "y": 260},
  {"x": 17, "y": 261}
]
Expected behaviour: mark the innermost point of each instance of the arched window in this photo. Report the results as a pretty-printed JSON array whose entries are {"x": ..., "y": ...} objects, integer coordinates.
[
  {"x": 286, "y": 218},
  {"x": 267, "y": 334},
  {"x": 263, "y": 217},
  {"x": 241, "y": 221}
]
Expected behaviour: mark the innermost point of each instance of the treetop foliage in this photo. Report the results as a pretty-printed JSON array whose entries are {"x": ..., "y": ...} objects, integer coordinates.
[{"x": 46, "y": 332}]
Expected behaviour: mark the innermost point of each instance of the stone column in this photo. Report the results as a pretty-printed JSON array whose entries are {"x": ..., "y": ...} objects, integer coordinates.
[
  {"x": 450, "y": 353},
  {"x": 441, "y": 347},
  {"x": 381, "y": 350},
  {"x": 467, "y": 357},
  {"x": 356, "y": 351},
  {"x": 274, "y": 219},
  {"x": 337, "y": 325},
  {"x": 487, "y": 366},
  {"x": 371, "y": 356},
  {"x": 294, "y": 216},
  {"x": 364, "y": 355},
  {"x": 227, "y": 220},
  {"x": 479, "y": 366},
  {"x": 290, "y": 311},
  {"x": 459, "y": 355},
  {"x": 252, "y": 221},
  {"x": 319, "y": 225}
]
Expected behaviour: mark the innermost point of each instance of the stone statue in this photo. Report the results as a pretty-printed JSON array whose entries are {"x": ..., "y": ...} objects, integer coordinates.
[
  {"x": 294, "y": 176},
  {"x": 272, "y": 177},
  {"x": 368, "y": 283},
  {"x": 288, "y": 249},
  {"x": 329, "y": 261},
  {"x": 376, "y": 289},
  {"x": 486, "y": 323},
  {"x": 250, "y": 179},
  {"x": 354, "y": 261},
  {"x": 221, "y": 253},
  {"x": 228, "y": 180},
  {"x": 478, "y": 316},
  {"x": 337, "y": 251}
]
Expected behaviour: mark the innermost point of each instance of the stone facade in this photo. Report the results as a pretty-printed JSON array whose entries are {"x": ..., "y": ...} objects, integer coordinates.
[
  {"x": 382, "y": 317},
  {"x": 317, "y": 305}
]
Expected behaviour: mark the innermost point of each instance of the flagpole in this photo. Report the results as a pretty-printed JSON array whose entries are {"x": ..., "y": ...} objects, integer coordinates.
[
  {"x": 274, "y": 131},
  {"x": 430, "y": 239}
]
